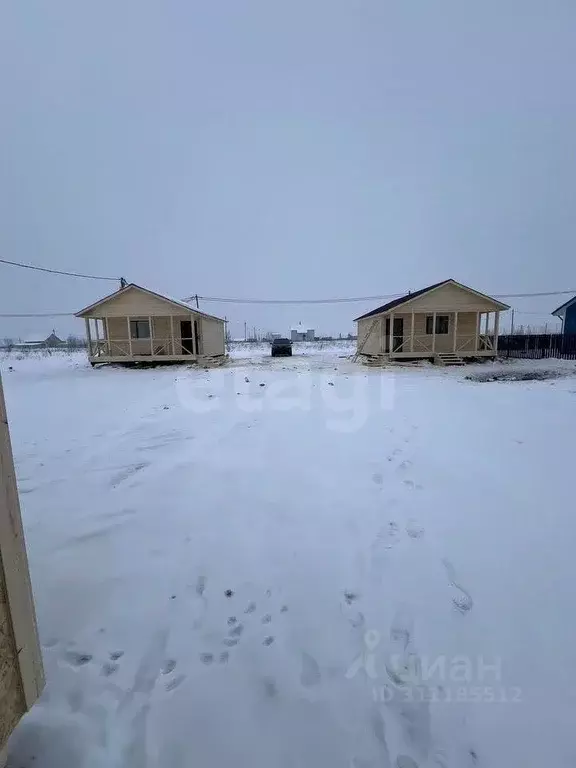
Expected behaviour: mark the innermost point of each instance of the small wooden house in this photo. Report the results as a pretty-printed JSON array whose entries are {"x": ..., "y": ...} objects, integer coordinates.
[
  {"x": 445, "y": 322},
  {"x": 135, "y": 324},
  {"x": 21, "y": 672}
]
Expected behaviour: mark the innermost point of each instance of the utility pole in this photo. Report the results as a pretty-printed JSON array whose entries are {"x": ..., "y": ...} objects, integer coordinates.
[
  {"x": 245, "y": 337},
  {"x": 512, "y": 325},
  {"x": 197, "y": 305}
]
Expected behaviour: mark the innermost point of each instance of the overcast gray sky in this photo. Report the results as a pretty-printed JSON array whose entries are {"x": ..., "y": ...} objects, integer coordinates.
[{"x": 305, "y": 148}]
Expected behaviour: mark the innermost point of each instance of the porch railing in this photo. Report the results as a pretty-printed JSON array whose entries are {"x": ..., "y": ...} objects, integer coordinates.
[
  {"x": 423, "y": 344},
  {"x": 486, "y": 342},
  {"x": 140, "y": 347}
]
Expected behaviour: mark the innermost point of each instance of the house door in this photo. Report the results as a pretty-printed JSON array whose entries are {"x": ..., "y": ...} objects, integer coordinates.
[
  {"x": 397, "y": 334},
  {"x": 186, "y": 336}
]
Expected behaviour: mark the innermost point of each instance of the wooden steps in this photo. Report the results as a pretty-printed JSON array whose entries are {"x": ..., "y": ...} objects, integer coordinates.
[{"x": 448, "y": 358}]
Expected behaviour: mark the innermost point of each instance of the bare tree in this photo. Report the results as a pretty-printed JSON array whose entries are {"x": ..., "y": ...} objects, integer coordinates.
[{"x": 74, "y": 342}]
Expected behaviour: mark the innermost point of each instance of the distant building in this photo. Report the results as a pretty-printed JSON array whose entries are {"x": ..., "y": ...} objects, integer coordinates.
[
  {"x": 567, "y": 313},
  {"x": 301, "y": 332},
  {"x": 37, "y": 342}
]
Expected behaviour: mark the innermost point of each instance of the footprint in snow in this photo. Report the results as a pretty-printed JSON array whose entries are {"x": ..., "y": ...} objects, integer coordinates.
[
  {"x": 387, "y": 536},
  {"x": 171, "y": 685},
  {"x": 127, "y": 472},
  {"x": 270, "y": 688},
  {"x": 77, "y": 659},
  {"x": 462, "y": 600},
  {"x": 378, "y": 478},
  {"x": 414, "y": 530},
  {"x": 404, "y": 761},
  {"x": 353, "y": 615},
  {"x": 412, "y": 485},
  {"x": 168, "y": 666},
  {"x": 201, "y": 585},
  {"x": 109, "y": 668},
  {"x": 401, "y": 656},
  {"x": 310, "y": 674}
]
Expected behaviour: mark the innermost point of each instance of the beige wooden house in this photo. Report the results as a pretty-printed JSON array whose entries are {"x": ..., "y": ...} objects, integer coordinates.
[
  {"x": 446, "y": 322},
  {"x": 21, "y": 672},
  {"x": 135, "y": 324}
]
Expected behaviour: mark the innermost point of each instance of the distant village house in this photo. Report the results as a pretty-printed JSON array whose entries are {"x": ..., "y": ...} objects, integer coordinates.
[{"x": 37, "y": 342}]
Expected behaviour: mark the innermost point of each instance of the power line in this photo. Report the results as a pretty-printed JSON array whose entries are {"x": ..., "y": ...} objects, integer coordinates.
[
  {"x": 43, "y": 314},
  {"x": 292, "y": 301},
  {"x": 295, "y": 301},
  {"x": 57, "y": 271},
  {"x": 530, "y": 295},
  {"x": 352, "y": 299}
]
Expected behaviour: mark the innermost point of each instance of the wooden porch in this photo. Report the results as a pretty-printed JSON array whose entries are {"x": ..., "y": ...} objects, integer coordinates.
[
  {"x": 143, "y": 339},
  {"x": 412, "y": 335}
]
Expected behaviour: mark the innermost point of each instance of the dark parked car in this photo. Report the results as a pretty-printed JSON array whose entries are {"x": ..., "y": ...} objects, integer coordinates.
[{"x": 281, "y": 347}]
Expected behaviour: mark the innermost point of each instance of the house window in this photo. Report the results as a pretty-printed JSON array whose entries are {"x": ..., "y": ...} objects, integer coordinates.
[
  {"x": 442, "y": 324},
  {"x": 139, "y": 329}
]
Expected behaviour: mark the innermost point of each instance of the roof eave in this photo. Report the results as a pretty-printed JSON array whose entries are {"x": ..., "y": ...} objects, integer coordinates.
[{"x": 561, "y": 310}]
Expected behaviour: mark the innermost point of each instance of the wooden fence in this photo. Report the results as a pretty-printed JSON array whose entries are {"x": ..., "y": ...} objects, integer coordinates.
[{"x": 539, "y": 345}]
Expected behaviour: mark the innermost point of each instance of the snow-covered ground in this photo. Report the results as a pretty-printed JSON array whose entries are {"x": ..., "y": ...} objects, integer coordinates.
[{"x": 297, "y": 562}]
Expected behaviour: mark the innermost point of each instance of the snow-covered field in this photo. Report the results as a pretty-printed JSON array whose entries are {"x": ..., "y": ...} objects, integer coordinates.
[{"x": 297, "y": 562}]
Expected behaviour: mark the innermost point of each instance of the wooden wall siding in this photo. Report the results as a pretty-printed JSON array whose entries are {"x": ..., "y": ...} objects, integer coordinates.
[
  {"x": 135, "y": 302},
  {"x": 12, "y": 703},
  {"x": 21, "y": 672},
  {"x": 212, "y": 334},
  {"x": 451, "y": 298},
  {"x": 374, "y": 344}
]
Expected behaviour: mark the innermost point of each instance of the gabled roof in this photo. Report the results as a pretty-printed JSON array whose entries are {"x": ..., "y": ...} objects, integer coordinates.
[
  {"x": 119, "y": 292},
  {"x": 560, "y": 312},
  {"x": 415, "y": 294}
]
